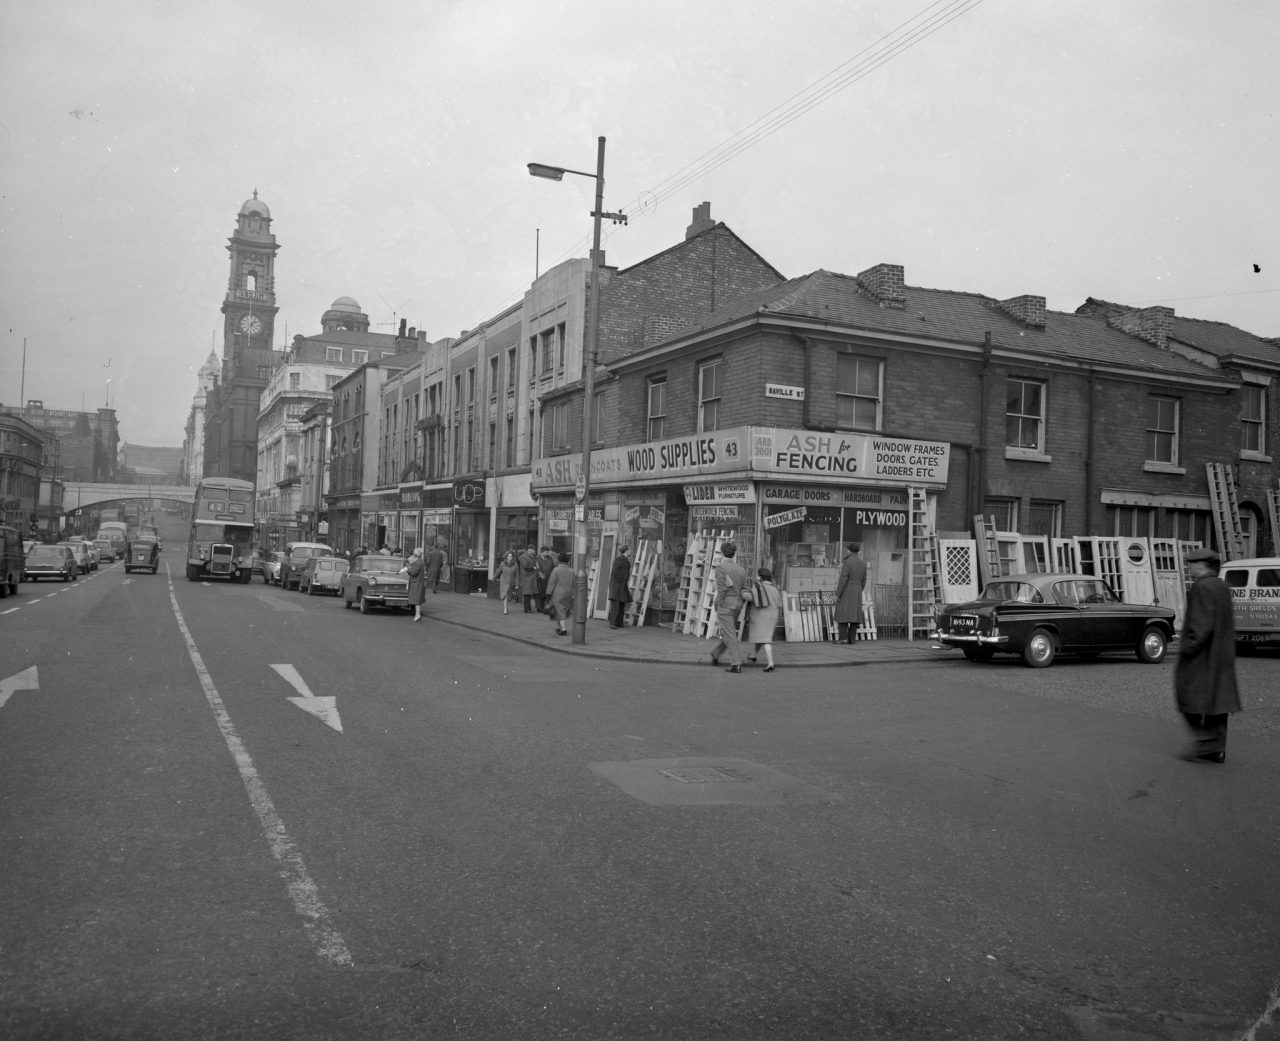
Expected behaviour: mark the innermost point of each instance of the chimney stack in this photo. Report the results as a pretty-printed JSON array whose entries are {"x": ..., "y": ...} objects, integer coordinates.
[
  {"x": 887, "y": 283},
  {"x": 701, "y": 221},
  {"x": 1029, "y": 310},
  {"x": 1153, "y": 324}
]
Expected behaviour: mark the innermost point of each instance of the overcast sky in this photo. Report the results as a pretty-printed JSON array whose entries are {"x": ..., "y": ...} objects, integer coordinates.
[{"x": 1124, "y": 149}]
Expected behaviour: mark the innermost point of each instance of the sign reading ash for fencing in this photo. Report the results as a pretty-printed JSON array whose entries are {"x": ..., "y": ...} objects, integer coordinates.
[{"x": 705, "y": 781}]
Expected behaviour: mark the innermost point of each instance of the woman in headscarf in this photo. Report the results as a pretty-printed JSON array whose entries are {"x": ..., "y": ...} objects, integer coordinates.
[{"x": 415, "y": 567}]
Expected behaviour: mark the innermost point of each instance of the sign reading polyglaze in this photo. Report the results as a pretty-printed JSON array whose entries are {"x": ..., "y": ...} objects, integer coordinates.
[{"x": 752, "y": 453}]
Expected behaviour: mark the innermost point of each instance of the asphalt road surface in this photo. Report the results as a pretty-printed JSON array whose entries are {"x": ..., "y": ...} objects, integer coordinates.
[{"x": 234, "y": 812}]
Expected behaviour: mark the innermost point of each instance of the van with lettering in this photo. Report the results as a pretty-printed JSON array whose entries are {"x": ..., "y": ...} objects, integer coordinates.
[{"x": 1255, "y": 601}]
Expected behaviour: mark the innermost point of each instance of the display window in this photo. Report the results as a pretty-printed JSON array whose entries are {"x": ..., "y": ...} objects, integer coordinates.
[
  {"x": 730, "y": 520},
  {"x": 471, "y": 538},
  {"x": 803, "y": 546},
  {"x": 517, "y": 529}
]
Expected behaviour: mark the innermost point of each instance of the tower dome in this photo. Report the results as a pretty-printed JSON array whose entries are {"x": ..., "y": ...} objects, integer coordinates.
[
  {"x": 345, "y": 303},
  {"x": 255, "y": 205}
]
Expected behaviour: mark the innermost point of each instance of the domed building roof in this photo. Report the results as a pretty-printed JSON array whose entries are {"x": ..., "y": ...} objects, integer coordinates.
[
  {"x": 346, "y": 303},
  {"x": 255, "y": 205}
]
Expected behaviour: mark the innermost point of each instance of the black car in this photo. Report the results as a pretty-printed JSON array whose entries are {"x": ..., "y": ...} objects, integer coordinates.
[
  {"x": 1040, "y": 616},
  {"x": 144, "y": 555}
]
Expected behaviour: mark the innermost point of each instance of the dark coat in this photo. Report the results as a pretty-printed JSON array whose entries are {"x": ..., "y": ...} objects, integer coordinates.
[
  {"x": 1205, "y": 679},
  {"x": 528, "y": 561},
  {"x": 849, "y": 586},
  {"x": 619, "y": 576},
  {"x": 560, "y": 591},
  {"x": 435, "y": 561}
]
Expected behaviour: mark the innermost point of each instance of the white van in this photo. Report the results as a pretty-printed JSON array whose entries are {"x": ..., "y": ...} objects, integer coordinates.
[{"x": 1255, "y": 600}]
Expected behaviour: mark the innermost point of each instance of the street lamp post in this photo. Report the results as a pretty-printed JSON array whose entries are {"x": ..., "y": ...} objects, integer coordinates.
[{"x": 590, "y": 346}]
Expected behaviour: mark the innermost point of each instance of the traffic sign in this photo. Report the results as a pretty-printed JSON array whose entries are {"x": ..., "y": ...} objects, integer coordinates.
[{"x": 580, "y": 487}]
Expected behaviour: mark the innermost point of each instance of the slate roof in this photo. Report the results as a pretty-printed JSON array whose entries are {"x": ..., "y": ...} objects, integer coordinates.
[
  {"x": 949, "y": 316},
  {"x": 1216, "y": 338}
]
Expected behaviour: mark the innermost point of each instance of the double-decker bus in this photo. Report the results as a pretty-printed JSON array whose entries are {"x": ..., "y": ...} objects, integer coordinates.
[{"x": 221, "y": 541}]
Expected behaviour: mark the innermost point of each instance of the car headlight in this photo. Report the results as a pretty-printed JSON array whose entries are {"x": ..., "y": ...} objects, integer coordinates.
[{"x": 373, "y": 580}]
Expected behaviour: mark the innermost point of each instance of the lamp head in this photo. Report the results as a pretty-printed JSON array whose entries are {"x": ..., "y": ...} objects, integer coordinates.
[{"x": 551, "y": 173}]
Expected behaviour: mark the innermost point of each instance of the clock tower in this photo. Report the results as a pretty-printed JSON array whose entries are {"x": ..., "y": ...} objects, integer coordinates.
[
  {"x": 249, "y": 310},
  {"x": 248, "y": 330}
]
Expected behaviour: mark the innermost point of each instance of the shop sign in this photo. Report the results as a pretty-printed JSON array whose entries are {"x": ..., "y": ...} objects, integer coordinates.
[
  {"x": 411, "y": 498},
  {"x": 863, "y": 457},
  {"x": 714, "y": 513},
  {"x": 781, "y": 520},
  {"x": 791, "y": 494},
  {"x": 737, "y": 491},
  {"x": 437, "y": 516},
  {"x": 782, "y": 390},
  {"x": 469, "y": 493}
]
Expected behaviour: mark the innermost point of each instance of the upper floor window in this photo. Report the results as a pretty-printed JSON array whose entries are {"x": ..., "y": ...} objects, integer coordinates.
[
  {"x": 359, "y": 357},
  {"x": 1024, "y": 414},
  {"x": 657, "y": 408},
  {"x": 295, "y": 381},
  {"x": 1162, "y": 430},
  {"x": 1253, "y": 419},
  {"x": 533, "y": 358},
  {"x": 511, "y": 368},
  {"x": 471, "y": 384},
  {"x": 597, "y": 418},
  {"x": 547, "y": 347},
  {"x": 559, "y": 426},
  {"x": 560, "y": 346},
  {"x": 709, "y": 394},
  {"x": 330, "y": 381},
  {"x": 857, "y": 392},
  {"x": 493, "y": 378},
  {"x": 333, "y": 354}
]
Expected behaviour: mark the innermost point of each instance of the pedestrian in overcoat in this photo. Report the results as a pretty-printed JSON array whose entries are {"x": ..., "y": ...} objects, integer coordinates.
[
  {"x": 560, "y": 593},
  {"x": 730, "y": 577},
  {"x": 528, "y": 562},
  {"x": 508, "y": 576},
  {"x": 435, "y": 562},
  {"x": 416, "y": 569},
  {"x": 619, "y": 591},
  {"x": 546, "y": 565},
  {"x": 1204, "y": 681},
  {"x": 849, "y": 586},
  {"x": 762, "y": 617}
]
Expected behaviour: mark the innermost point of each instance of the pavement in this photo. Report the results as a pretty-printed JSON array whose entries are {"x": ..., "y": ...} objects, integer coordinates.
[{"x": 656, "y": 643}]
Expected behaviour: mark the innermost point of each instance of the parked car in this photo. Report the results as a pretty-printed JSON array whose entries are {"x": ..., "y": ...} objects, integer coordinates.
[
  {"x": 1040, "y": 616},
  {"x": 296, "y": 556},
  {"x": 271, "y": 568},
  {"x": 144, "y": 555},
  {"x": 106, "y": 551},
  {"x": 323, "y": 575},
  {"x": 81, "y": 554},
  {"x": 375, "y": 581},
  {"x": 50, "y": 562}
]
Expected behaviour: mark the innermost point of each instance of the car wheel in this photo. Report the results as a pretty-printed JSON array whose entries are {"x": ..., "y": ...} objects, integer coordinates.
[
  {"x": 1152, "y": 646},
  {"x": 982, "y": 655},
  {"x": 364, "y": 604},
  {"x": 1040, "y": 650}
]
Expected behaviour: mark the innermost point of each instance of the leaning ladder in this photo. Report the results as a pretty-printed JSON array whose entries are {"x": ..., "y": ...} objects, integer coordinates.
[
  {"x": 1273, "y": 507},
  {"x": 1226, "y": 514},
  {"x": 924, "y": 567},
  {"x": 984, "y": 528}
]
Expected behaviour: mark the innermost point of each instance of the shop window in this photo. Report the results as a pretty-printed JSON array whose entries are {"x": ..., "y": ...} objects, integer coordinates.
[
  {"x": 1253, "y": 419},
  {"x": 1162, "y": 430},
  {"x": 1024, "y": 414},
  {"x": 1187, "y": 525},
  {"x": 1044, "y": 518},
  {"x": 657, "y": 408},
  {"x": 709, "y": 395},
  {"x": 858, "y": 392},
  {"x": 1004, "y": 511},
  {"x": 1131, "y": 521}
]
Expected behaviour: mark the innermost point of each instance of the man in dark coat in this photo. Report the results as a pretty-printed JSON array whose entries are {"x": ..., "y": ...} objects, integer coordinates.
[
  {"x": 546, "y": 565},
  {"x": 619, "y": 593},
  {"x": 849, "y": 586},
  {"x": 1204, "y": 682}
]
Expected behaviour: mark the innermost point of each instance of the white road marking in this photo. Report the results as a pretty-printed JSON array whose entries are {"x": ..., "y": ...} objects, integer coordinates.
[
  {"x": 302, "y": 890},
  {"x": 27, "y": 679},
  {"x": 324, "y": 709}
]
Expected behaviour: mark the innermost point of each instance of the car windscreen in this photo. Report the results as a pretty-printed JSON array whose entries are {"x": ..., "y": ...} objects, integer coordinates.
[
  {"x": 383, "y": 565},
  {"x": 44, "y": 553}
]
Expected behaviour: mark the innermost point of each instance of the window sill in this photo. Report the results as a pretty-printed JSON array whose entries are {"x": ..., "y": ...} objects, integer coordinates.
[
  {"x": 1254, "y": 457},
  {"x": 1163, "y": 468},
  {"x": 1027, "y": 455}
]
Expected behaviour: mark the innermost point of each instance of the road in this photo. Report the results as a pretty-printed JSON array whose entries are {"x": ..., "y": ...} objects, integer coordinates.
[{"x": 235, "y": 812}]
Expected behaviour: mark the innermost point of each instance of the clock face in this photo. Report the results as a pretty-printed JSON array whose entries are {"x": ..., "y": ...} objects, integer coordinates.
[{"x": 251, "y": 324}]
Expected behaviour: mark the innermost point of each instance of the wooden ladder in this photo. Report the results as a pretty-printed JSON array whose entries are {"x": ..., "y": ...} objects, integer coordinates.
[
  {"x": 1273, "y": 507},
  {"x": 1226, "y": 514},
  {"x": 984, "y": 529},
  {"x": 648, "y": 557},
  {"x": 924, "y": 567}
]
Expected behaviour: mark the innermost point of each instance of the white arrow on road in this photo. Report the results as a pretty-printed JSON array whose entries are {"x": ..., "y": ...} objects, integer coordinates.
[
  {"x": 27, "y": 679},
  {"x": 324, "y": 709}
]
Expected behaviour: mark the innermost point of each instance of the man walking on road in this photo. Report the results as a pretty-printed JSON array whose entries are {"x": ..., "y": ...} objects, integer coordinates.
[
  {"x": 1204, "y": 682},
  {"x": 730, "y": 578}
]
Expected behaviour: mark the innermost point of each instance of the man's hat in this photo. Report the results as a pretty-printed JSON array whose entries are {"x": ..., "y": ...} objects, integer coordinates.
[{"x": 1209, "y": 556}]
